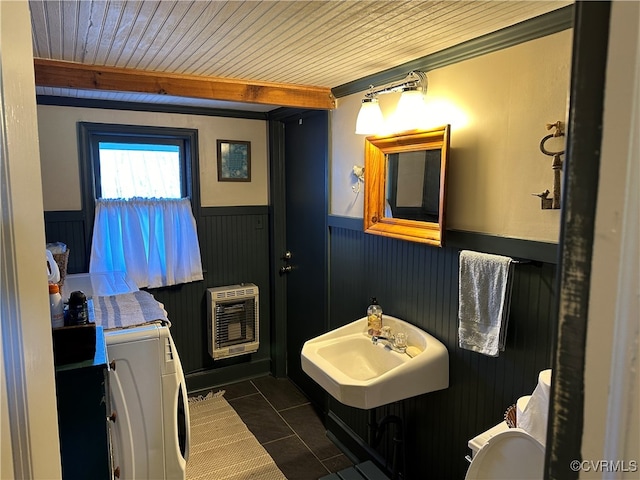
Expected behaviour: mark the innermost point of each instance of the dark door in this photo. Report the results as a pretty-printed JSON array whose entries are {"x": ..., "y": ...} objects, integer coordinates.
[{"x": 306, "y": 173}]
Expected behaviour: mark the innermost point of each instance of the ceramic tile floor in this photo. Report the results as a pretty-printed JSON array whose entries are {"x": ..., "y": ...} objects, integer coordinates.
[{"x": 287, "y": 426}]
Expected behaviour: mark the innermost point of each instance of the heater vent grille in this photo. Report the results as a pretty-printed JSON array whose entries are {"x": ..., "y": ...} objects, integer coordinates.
[{"x": 233, "y": 320}]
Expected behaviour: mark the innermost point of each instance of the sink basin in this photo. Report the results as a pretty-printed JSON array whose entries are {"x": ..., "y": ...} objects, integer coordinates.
[{"x": 347, "y": 364}]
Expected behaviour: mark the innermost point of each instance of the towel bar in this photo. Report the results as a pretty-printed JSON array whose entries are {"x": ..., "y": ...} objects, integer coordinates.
[{"x": 535, "y": 263}]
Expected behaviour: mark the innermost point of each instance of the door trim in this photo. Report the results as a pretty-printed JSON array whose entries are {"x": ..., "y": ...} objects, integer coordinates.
[
  {"x": 278, "y": 237},
  {"x": 584, "y": 136}
]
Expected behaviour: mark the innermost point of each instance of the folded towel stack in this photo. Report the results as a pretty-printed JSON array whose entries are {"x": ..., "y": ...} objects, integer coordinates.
[
  {"x": 485, "y": 283},
  {"x": 128, "y": 310}
]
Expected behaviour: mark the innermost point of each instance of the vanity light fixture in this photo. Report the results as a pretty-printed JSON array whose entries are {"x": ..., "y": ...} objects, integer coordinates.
[{"x": 409, "y": 110}]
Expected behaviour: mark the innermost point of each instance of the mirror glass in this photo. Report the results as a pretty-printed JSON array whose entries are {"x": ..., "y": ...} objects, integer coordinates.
[
  {"x": 413, "y": 185},
  {"x": 405, "y": 180}
]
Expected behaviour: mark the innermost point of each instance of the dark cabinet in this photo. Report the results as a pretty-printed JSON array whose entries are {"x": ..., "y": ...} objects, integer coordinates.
[{"x": 83, "y": 411}]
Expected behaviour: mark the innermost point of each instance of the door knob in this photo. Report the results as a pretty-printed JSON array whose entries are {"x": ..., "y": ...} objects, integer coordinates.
[
  {"x": 287, "y": 255},
  {"x": 285, "y": 269}
]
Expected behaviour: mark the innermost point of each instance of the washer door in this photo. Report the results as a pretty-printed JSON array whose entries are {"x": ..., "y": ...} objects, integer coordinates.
[
  {"x": 136, "y": 394},
  {"x": 175, "y": 413},
  {"x": 508, "y": 455}
]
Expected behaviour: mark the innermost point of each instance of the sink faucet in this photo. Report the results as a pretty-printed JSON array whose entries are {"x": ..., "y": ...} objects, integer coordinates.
[{"x": 397, "y": 342}]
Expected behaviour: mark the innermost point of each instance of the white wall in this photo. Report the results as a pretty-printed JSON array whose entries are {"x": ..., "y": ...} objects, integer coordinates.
[
  {"x": 612, "y": 379},
  {"x": 28, "y": 405},
  {"x": 498, "y": 106},
  {"x": 60, "y": 166}
]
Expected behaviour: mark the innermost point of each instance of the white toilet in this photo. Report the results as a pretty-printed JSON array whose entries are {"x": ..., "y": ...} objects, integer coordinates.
[{"x": 510, "y": 454}]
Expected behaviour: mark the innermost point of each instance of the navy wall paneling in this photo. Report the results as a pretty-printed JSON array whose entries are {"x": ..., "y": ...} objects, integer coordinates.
[
  {"x": 68, "y": 228},
  {"x": 419, "y": 283}
]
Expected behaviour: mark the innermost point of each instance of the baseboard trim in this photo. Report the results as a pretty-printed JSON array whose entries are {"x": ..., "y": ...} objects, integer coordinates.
[{"x": 208, "y": 379}]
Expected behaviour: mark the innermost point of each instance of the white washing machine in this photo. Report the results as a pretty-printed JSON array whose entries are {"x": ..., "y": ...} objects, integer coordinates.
[
  {"x": 150, "y": 432},
  {"x": 148, "y": 394}
]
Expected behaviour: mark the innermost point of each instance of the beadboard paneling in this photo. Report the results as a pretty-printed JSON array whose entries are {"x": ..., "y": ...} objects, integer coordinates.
[
  {"x": 68, "y": 228},
  {"x": 420, "y": 284},
  {"x": 298, "y": 43},
  {"x": 234, "y": 245}
]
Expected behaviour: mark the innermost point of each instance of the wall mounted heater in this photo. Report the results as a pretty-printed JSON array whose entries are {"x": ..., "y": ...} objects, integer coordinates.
[{"x": 233, "y": 320}]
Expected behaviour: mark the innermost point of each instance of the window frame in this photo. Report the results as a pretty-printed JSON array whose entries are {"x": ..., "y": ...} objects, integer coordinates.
[{"x": 90, "y": 134}]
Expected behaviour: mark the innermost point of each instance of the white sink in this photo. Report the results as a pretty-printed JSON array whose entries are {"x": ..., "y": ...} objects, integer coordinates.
[{"x": 347, "y": 364}]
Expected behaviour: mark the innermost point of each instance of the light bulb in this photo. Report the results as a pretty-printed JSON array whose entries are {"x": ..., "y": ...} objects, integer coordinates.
[
  {"x": 411, "y": 111},
  {"x": 370, "y": 120}
]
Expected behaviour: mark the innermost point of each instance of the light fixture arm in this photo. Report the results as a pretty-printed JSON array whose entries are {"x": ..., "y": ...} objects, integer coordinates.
[{"x": 413, "y": 81}]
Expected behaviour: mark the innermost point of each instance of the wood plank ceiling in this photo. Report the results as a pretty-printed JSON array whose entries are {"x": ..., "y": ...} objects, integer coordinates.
[{"x": 251, "y": 55}]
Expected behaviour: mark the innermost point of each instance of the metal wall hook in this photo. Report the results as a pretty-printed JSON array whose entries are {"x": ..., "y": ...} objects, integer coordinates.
[
  {"x": 547, "y": 152},
  {"x": 559, "y": 126},
  {"x": 554, "y": 202}
]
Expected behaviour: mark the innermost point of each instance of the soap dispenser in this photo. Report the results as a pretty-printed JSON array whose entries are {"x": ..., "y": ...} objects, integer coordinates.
[{"x": 374, "y": 318}]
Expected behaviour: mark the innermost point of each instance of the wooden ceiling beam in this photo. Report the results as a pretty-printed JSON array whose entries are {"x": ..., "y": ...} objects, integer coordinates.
[{"x": 61, "y": 74}]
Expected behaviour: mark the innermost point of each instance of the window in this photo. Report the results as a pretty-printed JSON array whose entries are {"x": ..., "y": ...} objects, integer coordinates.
[
  {"x": 139, "y": 197},
  {"x": 147, "y": 170}
]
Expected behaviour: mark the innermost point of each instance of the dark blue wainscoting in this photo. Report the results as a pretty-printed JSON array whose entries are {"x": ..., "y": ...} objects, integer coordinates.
[
  {"x": 68, "y": 227},
  {"x": 234, "y": 243},
  {"x": 419, "y": 283}
]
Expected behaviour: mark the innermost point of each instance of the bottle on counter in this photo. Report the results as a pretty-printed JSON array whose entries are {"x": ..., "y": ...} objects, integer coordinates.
[
  {"x": 78, "y": 309},
  {"x": 56, "y": 306},
  {"x": 374, "y": 318}
]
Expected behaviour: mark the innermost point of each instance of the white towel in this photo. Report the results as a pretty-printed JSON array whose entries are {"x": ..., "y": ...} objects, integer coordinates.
[
  {"x": 484, "y": 301},
  {"x": 128, "y": 310}
]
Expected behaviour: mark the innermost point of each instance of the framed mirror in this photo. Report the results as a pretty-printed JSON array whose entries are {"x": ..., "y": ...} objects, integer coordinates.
[{"x": 405, "y": 185}]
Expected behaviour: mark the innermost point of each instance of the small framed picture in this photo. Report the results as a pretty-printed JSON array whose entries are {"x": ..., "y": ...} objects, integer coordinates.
[{"x": 234, "y": 161}]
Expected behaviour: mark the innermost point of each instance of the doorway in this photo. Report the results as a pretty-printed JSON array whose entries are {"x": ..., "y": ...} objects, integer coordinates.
[{"x": 300, "y": 146}]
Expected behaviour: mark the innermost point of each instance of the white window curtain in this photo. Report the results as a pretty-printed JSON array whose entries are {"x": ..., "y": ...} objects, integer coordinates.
[{"x": 153, "y": 240}]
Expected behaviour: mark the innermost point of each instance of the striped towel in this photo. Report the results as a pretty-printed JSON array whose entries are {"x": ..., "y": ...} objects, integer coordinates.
[{"x": 128, "y": 310}]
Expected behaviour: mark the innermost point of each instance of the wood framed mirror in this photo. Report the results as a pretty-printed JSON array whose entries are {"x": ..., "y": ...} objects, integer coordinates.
[{"x": 405, "y": 185}]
